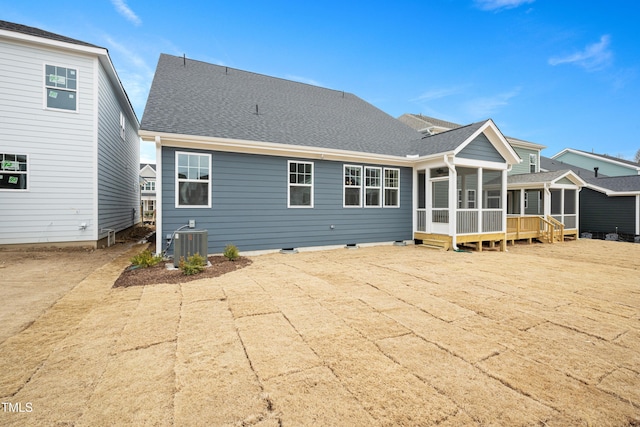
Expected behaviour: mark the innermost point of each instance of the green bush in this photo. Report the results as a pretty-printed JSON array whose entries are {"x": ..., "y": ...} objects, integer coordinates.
[
  {"x": 146, "y": 259},
  {"x": 193, "y": 265},
  {"x": 231, "y": 252}
]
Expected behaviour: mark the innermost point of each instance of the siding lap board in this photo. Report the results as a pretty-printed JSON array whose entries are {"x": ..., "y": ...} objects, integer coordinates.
[
  {"x": 249, "y": 206},
  {"x": 481, "y": 149}
]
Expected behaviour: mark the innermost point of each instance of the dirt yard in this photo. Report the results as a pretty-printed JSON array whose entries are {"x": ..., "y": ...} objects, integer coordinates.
[{"x": 540, "y": 335}]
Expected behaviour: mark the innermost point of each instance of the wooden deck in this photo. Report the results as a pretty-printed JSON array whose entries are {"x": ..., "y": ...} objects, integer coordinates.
[
  {"x": 445, "y": 242},
  {"x": 547, "y": 230}
]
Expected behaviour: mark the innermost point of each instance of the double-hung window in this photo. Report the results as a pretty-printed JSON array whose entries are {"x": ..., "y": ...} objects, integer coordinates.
[
  {"x": 13, "y": 171},
  {"x": 373, "y": 186},
  {"x": 471, "y": 199},
  {"x": 391, "y": 187},
  {"x": 300, "y": 184},
  {"x": 533, "y": 160},
  {"x": 193, "y": 180},
  {"x": 61, "y": 87},
  {"x": 352, "y": 185}
]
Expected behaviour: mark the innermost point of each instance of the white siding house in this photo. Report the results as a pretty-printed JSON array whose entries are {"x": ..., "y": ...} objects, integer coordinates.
[{"x": 69, "y": 149}]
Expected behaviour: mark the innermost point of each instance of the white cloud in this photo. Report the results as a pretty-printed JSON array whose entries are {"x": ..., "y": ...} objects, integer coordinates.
[
  {"x": 126, "y": 11},
  {"x": 594, "y": 57},
  {"x": 485, "y": 107},
  {"x": 134, "y": 72},
  {"x": 439, "y": 93},
  {"x": 500, "y": 4}
]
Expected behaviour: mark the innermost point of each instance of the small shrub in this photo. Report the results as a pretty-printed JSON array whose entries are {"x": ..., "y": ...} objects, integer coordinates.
[
  {"x": 193, "y": 265},
  {"x": 146, "y": 259},
  {"x": 231, "y": 252}
]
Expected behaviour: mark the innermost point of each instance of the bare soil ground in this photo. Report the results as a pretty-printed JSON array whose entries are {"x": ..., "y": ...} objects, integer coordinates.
[{"x": 540, "y": 335}]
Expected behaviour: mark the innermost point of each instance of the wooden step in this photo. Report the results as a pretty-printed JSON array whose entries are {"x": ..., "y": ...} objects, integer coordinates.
[{"x": 434, "y": 244}]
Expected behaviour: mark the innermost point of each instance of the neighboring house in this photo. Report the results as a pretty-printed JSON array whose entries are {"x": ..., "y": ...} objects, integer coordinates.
[
  {"x": 530, "y": 193},
  {"x": 607, "y": 204},
  {"x": 266, "y": 163},
  {"x": 148, "y": 191},
  {"x": 606, "y": 165},
  {"x": 69, "y": 145}
]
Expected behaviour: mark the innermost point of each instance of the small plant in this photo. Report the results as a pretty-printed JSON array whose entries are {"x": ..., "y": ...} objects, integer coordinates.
[
  {"x": 231, "y": 252},
  {"x": 192, "y": 265},
  {"x": 146, "y": 259}
]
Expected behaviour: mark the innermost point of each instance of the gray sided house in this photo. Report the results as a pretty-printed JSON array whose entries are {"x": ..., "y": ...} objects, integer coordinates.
[
  {"x": 69, "y": 145},
  {"x": 267, "y": 163},
  {"x": 608, "y": 204}
]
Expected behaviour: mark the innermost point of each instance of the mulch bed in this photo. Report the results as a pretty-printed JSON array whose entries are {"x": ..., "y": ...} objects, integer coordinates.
[{"x": 159, "y": 273}]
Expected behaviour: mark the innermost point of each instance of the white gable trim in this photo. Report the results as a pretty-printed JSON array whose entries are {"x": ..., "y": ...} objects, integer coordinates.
[
  {"x": 496, "y": 138},
  {"x": 597, "y": 157}
]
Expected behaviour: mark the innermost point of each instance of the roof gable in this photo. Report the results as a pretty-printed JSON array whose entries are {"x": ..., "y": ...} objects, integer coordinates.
[
  {"x": 610, "y": 165},
  {"x": 551, "y": 178}
]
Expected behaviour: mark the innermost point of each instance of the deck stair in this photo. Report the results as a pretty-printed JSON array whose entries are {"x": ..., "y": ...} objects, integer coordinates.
[{"x": 435, "y": 244}]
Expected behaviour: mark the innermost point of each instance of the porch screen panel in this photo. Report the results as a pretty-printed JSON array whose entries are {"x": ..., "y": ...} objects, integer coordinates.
[
  {"x": 492, "y": 189},
  {"x": 440, "y": 201}
]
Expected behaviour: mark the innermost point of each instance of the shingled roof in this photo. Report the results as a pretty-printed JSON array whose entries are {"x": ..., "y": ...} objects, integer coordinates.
[
  {"x": 445, "y": 142},
  {"x": 616, "y": 184},
  {"x": 32, "y": 31},
  {"x": 189, "y": 97}
]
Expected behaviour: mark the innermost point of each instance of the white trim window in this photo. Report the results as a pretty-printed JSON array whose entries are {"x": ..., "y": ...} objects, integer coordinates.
[
  {"x": 471, "y": 199},
  {"x": 526, "y": 200},
  {"x": 494, "y": 197},
  {"x": 533, "y": 162},
  {"x": 123, "y": 126},
  {"x": 149, "y": 186},
  {"x": 372, "y": 187},
  {"x": 61, "y": 88},
  {"x": 459, "y": 198},
  {"x": 392, "y": 187},
  {"x": 193, "y": 180},
  {"x": 13, "y": 172},
  {"x": 300, "y": 192},
  {"x": 352, "y": 186}
]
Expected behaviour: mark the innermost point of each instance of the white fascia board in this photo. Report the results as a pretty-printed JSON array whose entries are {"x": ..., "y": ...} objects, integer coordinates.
[
  {"x": 525, "y": 144},
  {"x": 496, "y": 138},
  {"x": 571, "y": 176},
  {"x": 461, "y": 161},
  {"x": 271, "y": 149},
  {"x": 597, "y": 157}
]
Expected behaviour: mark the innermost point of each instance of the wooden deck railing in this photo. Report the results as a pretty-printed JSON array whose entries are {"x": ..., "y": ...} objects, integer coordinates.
[{"x": 548, "y": 229}]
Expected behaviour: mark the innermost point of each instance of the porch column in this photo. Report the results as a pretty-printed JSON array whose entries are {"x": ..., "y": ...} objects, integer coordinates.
[
  {"x": 479, "y": 200},
  {"x": 522, "y": 206},
  {"x": 414, "y": 214},
  {"x": 503, "y": 197}
]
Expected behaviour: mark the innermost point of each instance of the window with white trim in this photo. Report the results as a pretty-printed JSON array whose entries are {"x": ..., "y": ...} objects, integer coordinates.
[
  {"x": 494, "y": 198},
  {"x": 123, "y": 126},
  {"x": 61, "y": 87},
  {"x": 372, "y": 186},
  {"x": 193, "y": 180},
  {"x": 13, "y": 171},
  {"x": 149, "y": 186},
  {"x": 391, "y": 187},
  {"x": 352, "y": 185},
  {"x": 471, "y": 199},
  {"x": 300, "y": 193},
  {"x": 526, "y": 199},
  {"x": 533, "y": 161}
]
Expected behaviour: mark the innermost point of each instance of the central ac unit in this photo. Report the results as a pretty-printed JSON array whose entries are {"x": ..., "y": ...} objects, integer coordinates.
[{"x": 188, "y": 243}]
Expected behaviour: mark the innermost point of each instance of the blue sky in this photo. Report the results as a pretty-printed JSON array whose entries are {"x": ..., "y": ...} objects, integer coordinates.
[{"x": 564, "y": 74}]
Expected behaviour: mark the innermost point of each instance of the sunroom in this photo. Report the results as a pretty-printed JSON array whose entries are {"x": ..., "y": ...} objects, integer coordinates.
[
  {"x": 543, "y": 206},
  {"x": 460, "y": 196}
]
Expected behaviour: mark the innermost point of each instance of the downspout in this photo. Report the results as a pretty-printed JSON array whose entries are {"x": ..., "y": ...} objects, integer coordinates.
[
  {"x": 452, "y": 190},
  {"x": 159, "y": 241}
]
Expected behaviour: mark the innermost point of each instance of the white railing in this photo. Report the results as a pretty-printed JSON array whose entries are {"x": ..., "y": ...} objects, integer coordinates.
[
  {"x": 422, "y": 220},
  {"x": 467, "y": 221},
  {"x": 440, "y": 216},
  {"x": 492, "y": 220}
]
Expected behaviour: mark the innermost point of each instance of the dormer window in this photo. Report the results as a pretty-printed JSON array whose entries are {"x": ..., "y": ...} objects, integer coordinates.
[{"x": 533, "y": 163}]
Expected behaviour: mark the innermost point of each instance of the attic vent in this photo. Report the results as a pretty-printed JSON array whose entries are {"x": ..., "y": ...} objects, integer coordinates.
[{"x": 184, "y": 59}]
